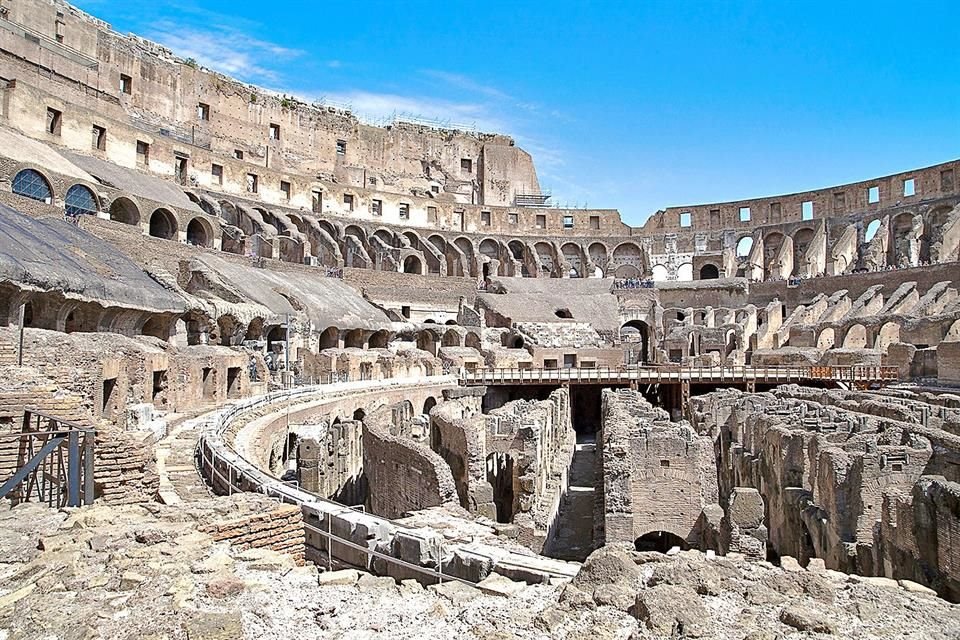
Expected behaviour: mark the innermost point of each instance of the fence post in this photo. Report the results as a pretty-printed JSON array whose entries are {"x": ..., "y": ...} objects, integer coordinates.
[
  {"x": 73, "y": 468},
  {"x": 88, "y": 490}
]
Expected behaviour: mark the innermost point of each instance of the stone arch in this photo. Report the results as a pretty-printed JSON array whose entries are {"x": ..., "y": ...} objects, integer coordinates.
[
  {"x": 660, "y": 272},
  {"x": 428, "y": 405},
  {"x": 199, "y": 233},
  {"x": 597, "y": 251},
  {"x": 413, "y": 264},
  {"x": 932, "y": 247},
  {"x": 231, "y": 330},
  {"x": 472, "y": 340},
  {"x": 573, "y": 255},
  {"x": 901, "y": 250},
  {"x": 157, "y": 326},
  {"x": 163, "y": 224},
  {"x": 450, "y": 339},
  {"x": 953, "y": 333},
  {"x": 330, "y": 338},
  {"x": 490, "y": 248},
  {"x": 637, "y": 333},
  {"x": 31, "y": 183},
  {"x": 125, "y": 210},
  {"x": 827, "y": 339},
  {"x": 709, "y": 272},
  {"x": 744, "y": 246},
  {"x": 661, "y": 541},
  {"x": 255, "y": 329},
  {"x": 772, "y": 245},
  {"x": 856, "y": 337},
  {"x": 627, "y": 254},
  {"x": 379, "y": 339},
  {"x": 198, "y": 326},
  {"x": 685, "y": 272},
  {"x": 871, "y": 231},
  {"x": 354, "y": 338},
  {"x": 427, "y": 341},
  {"x": 80, "y": 200},
  {"x": 801, "y": 242},
  {"x": 889, "y": 333}
]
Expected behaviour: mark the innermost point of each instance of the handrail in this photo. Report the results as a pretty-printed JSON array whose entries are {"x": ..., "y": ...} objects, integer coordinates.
[
  {"x": 678, "y": 373},
  {"x": 220, "y": 463}
]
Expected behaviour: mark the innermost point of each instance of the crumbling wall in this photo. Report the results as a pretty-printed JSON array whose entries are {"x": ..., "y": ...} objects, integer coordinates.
[
  {"x": 402, "y": 475},
  {"x": 658, "y": 476}
]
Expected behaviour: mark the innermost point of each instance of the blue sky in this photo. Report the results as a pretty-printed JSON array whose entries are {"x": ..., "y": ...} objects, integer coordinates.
[{"x": 628, "y": 105}]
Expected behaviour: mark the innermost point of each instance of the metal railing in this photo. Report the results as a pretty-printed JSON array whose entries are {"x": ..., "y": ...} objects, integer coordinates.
[
  {"x": 226, "y": 469},
  {"x": 54, "y": 462},
  {"x": 675, "y": 373}
]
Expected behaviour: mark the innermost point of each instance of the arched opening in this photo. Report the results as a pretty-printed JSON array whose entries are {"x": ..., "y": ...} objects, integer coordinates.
[
  {"x": 276, "y": 339},
  {"x": 472, "y": 341},
  {"x": 125, "y": 210},
  {"x": 427, "y": 342},
  {"x": 685, "y": 272},
  {"x": 889, "y": 333},
  {"x": 871, "y": 231},
  {"x": 330, "y": 338},
  {"x": 744, "y": 246},
  {"x": 231, "y": 331},
  {"x": 254, "y": 329},
  {"x": 157, "y": 327},
  {"x": 353, "y": 339},
  {"x": 856, "y": 337},
  {"x": 563, "y": 313},
  {"x": 379, "y": 339},
  {"x": 826, "y": 339},
  {"x": 709, "y": 272},
  {"x": 627, "y": 254},
  {"x": 500, "y": 477},
  {"x": 635, "y": 336},
  {"x": 450, "y": 339},
  {"x": 31, "y": 184},
  {"x": 802, "y": 240},
  {"x": 197, "y": 233},
  {"x": 429, "y": 404},
  {"x": 359, "y": 415},
  {"x": 163, "y": 225},
  {"x": 904, "y": 241},
  {"x": 413, "y": 265},
  {"x": 660, "y": 541},
  {"x": 80, "y": 201}
]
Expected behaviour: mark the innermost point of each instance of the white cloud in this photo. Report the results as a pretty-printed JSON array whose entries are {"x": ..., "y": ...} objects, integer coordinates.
[
  {"x": 465, "y": 83},
  {"x": 224, "y": 49},
  {"x": 386, "y": 106}
]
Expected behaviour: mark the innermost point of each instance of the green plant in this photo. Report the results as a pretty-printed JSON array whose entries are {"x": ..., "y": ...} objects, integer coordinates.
[{"x": 191, "y": 62}]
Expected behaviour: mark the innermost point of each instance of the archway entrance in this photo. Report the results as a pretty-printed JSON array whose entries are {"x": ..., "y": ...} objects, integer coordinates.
[
  {"x": 500, "y": 477},
  {"x": 661, "y": 541},
  {"x": 413, "y": 265},
  {"x": 635, "y": 336},
  {"x": 709, "y": 272}
]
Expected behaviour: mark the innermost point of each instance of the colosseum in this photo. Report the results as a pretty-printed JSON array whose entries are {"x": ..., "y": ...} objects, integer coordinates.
[{"x": 266, "y": 369}]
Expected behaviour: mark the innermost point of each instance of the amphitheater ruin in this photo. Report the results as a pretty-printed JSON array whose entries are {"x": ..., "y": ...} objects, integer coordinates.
[{"x": 266, "y": 369}]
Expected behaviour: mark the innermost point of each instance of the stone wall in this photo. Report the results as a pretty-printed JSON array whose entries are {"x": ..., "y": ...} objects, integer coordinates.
[
  {"x": 658, "y": 476},
  {"x": 529, "y": 448},
  {"x": 849, "y": 477},
  {"x": 402, "y": 475}
]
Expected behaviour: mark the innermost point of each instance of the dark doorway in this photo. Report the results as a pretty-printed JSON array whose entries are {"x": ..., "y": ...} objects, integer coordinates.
[{"x": 661, "y": 541}]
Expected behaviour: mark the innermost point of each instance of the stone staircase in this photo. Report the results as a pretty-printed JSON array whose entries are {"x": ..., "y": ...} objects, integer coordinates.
[
  {"x": 8, "y": 353},
  {"x": 179, "y": 479}
]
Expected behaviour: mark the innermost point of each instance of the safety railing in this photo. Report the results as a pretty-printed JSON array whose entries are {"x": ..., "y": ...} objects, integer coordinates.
[
  {"x": 54, "y": 462},
  {"x": 674, "y": 374},
  {"x": 228, "y": 471}
]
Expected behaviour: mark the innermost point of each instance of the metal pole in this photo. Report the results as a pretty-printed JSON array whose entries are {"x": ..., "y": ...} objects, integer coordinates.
[
  {"x": 286, "y": 347},
  {"x": 88, "y": 440},
  {"x": 73, "y": 468},
  {"x": 23, "y": 308}
]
